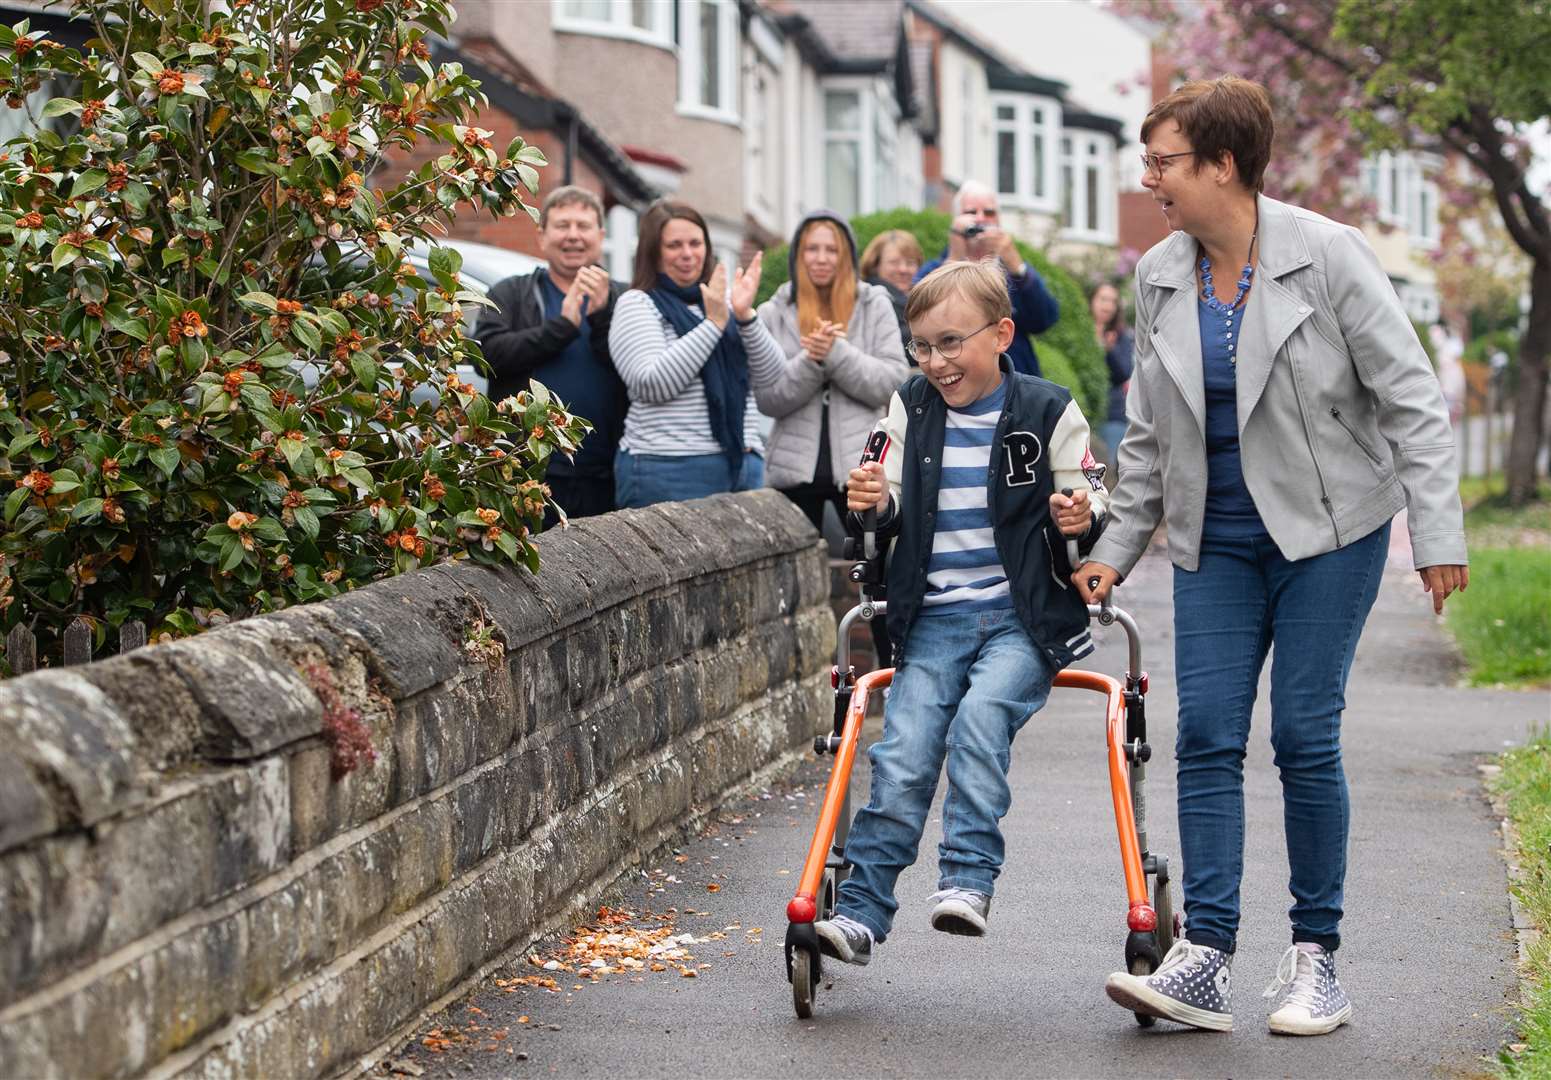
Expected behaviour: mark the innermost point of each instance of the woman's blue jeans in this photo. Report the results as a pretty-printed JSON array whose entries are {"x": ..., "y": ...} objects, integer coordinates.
[
  {"x": 644, "y": 479},
  {"x": 1243, "y": 601},
  {"x": 973, "y": 680}
]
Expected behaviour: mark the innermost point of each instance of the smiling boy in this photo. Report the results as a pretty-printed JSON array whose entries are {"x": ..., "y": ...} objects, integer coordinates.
[{"x": 980, "y": 607}]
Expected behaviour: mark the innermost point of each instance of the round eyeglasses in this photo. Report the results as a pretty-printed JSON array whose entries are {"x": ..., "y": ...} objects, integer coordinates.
[{"x": 948, "y": 348}]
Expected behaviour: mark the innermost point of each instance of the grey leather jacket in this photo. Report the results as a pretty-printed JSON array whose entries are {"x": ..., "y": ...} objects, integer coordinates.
[{"x": 1341, "y": 418}]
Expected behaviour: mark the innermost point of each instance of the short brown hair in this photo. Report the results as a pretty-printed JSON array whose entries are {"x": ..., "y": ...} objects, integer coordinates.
[
  {"x": 872, "y": 255},
  {"x": 1228, "y": 115},
  {"x": 981, "y": 283},
  {"x": 648, "y": 248},
  {"x": 570, "y": 195}
]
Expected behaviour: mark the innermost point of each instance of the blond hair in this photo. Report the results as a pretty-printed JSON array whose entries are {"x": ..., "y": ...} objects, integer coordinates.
[
  {"x": 981, "y": 283},
  {"x": 873, "y": 254},
  {"x": 836, "y": 303}
]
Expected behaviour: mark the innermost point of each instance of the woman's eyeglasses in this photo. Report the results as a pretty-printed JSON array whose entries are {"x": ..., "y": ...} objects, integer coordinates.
[
  {"x": 948, "y": 348},
  {"x": 1153, "y": 163}
]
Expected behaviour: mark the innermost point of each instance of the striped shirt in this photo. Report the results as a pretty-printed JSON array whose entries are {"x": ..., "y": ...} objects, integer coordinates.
[
  {"x": 965, "y": 573},
  {"x": 668, "y": 412}
]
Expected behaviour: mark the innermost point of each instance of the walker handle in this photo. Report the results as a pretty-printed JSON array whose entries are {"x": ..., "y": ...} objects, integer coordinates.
[{"x": 1074, "y": 557}]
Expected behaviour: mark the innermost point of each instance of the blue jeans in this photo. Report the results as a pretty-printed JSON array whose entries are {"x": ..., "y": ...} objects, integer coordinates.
[
  {"x": 1243, "y": 600},
  {"x": 644, "y": 479},
  {"x": 976, "y": 679}
]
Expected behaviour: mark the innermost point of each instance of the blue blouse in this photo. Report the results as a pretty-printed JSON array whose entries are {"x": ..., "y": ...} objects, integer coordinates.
[{"x": 1230, "y": 511}]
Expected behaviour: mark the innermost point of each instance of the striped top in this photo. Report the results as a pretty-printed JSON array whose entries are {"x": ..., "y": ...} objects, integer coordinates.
[
  {"x": 965, "y": 573},
  {"x": 668, "y": 412}
]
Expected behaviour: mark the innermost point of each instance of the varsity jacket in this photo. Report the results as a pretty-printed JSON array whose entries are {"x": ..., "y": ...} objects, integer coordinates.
[{"x": 1040, "y": 446}]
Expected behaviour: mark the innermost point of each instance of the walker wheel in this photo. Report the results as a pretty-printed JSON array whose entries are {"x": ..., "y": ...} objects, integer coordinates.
[
  {"x": 1141, "y": 967},
  {"x": 1170, "y": 923},
  {"x": 805, "y": 982}
]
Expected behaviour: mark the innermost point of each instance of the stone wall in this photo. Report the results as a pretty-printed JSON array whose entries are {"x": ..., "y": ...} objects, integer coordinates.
[{"x": 187, "y": 889}]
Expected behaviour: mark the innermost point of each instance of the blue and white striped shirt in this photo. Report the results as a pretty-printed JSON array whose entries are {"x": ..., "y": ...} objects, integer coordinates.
[{"x": 965, "y": 573}]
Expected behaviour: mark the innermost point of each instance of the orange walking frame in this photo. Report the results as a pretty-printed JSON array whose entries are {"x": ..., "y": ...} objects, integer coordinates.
[{"x": 1151, "y": 923}]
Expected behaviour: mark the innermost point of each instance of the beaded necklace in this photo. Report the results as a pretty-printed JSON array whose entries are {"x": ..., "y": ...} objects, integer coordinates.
[{"x": 1229, "y": 310}]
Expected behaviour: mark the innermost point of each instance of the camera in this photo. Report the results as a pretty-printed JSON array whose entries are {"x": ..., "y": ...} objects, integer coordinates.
[{"x": 972, "y": 231}]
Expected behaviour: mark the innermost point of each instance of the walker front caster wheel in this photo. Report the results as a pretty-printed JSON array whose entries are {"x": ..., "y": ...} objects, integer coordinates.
[
  {"x": 1142, "y": 967},
  {"x": 805, "y": 982}
]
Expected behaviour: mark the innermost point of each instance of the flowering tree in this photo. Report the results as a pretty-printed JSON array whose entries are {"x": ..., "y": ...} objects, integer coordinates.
[
  {"x": 223, "y": 387},
  {"x": 1351, "y": 76}
]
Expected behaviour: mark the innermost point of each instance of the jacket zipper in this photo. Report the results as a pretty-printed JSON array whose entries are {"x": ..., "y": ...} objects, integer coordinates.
[
  {"x": 1335, "y": 412},
  {"x": 1308, "y": 438}
]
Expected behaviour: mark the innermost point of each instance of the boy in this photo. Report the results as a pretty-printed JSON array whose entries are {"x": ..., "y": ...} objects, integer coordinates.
[{"x": 979, "y": 601}]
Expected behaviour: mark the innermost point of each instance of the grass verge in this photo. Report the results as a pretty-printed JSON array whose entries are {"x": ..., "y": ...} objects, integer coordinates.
[
  {"x": 1503, "y": 620},
  {"x": 1525, "y": 785}
]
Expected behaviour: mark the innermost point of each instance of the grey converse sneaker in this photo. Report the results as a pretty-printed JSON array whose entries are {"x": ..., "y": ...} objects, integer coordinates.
[
  {"x": 961, "y": 911},
  {"x": 844, "y": 939},
  {"x": 1191, "y": 987},
  {"x": 1310, "y": 998}
]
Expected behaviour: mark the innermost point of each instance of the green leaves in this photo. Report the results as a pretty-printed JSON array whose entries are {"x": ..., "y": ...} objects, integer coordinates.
[{"x": 227, "y": 394}]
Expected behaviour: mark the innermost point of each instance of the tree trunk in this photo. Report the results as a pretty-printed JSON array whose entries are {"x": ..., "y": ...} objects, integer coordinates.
[{"x": 1529, "y": 402}]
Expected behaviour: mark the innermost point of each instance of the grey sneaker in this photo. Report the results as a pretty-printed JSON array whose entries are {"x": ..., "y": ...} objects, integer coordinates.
[
  {"x": 961, "y": 911},
  {"x": 1191, "y": 987},
  {"x": 845, "y": 939},
  {"x": 1310, "y": 1000}
]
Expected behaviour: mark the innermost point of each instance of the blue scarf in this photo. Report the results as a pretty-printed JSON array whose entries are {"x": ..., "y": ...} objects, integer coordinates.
[{"x": 726, "y": 373}]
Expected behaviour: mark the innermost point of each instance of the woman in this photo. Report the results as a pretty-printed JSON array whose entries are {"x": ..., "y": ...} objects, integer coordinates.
[
  {"x": 1281, "y": 412},
  {"x": 842, "y": 358},
  {"x": 688, "y": 349},
  {"x": 891, "y": 260},
  {"x": 1116, "y": 340}
]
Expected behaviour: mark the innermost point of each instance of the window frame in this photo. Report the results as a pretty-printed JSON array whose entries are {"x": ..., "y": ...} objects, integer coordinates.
[
  {"x": 877, "y": 113},
  {"x": 690, "y": 14},
  {"x": 619, "y": 24},
  {"x": 1089, "y": 152},
  {"x": 1025, "y": 130}
]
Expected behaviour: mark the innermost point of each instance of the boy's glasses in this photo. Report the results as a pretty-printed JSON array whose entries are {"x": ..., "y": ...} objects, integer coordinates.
[{"x": 948, "y": 348}]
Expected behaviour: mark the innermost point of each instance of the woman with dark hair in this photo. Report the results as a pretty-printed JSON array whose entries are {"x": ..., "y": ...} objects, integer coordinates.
[
  {"x": 842, "y": 359},
  {"x": 1282, "y": 411},
  {"x": 691, "y": 351},
  {"x": 1115, "y": 338}
]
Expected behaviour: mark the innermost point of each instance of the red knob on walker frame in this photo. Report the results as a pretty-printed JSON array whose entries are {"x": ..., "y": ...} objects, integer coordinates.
[
  {"x": 1142, "y": 918},
  {"x": 802, "y": 909}
]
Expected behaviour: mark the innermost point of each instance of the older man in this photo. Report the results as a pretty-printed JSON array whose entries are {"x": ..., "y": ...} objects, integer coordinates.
[
  {"x": 975, "y": 234},
  {"x": 552, "y": 326}
]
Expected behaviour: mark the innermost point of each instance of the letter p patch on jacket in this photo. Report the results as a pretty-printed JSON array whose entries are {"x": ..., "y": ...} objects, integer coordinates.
[{"x": 1023, "y": 450}]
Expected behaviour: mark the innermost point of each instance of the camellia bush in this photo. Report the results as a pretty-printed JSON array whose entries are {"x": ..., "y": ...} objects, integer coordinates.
[
  {"x": 1069, "y": 351},
  {"x": 224, "y": 389}
]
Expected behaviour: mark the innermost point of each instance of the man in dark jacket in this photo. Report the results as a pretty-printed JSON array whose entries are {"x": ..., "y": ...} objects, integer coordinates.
[
  {"x": 552, "y": 327},
  {"x": 975, "y": 234}
]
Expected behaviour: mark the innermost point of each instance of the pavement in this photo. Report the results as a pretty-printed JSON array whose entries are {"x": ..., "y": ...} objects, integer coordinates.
[{"x": 1428, "y": 954}]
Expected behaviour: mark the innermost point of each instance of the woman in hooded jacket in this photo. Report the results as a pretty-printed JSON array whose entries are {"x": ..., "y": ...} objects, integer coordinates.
[{"x": 844, "y": 358}]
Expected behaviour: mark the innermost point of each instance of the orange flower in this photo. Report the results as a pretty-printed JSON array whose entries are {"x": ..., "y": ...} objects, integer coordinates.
[
  {"x": 367, "y": 6},
  {"x": 409, "y": 541},
  {"x": 37, "y": 481},
  {"x": 110, "y": 468},
  {"x": 233, "y": 381},
  {"x": 492, "y": 534},
  {"x": 193, "y": 325},
  {"x": 53, "y": 343},
  {"x": 345, "y": 344},
  {"x": 241, "y": 520},
  {"x": 112, "y": 511},
  {"x": 24, "y": 45},
  {"x": 288, "y": 307},
  {"x": 93, "y": 112},
  {"x": 33, "y": 220},
  {"x": 94, "y": 310},
  {"x": 118, "y": 176},
  {"x": 433, "y": 487},
  {"x": 335, "y": 455},
  {"x": 489, "y": 517},
  {"x": 169, "y": 81},
  {"x": 351, "y": 81}
]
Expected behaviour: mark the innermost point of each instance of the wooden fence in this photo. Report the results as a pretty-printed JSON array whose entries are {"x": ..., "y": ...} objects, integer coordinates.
[{"x": 21, "y": 648}]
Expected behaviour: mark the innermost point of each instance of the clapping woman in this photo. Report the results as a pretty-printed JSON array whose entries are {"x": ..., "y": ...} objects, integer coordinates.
[{"x": 691, "y": 353}]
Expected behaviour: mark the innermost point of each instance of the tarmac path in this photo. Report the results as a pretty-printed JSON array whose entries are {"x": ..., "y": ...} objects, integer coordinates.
[{"x": 1428, "y": 954}]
